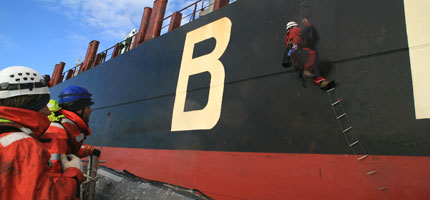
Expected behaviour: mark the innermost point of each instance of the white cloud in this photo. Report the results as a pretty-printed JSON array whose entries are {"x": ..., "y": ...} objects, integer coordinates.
[{"x": 112, "y": 19}]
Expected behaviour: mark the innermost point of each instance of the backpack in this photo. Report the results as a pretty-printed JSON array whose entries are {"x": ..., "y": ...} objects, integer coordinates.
[{"x": 287, "y": 60}]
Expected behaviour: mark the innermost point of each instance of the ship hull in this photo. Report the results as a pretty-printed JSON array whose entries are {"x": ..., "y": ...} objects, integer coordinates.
[
  {"x": 209, "y": 106},
  {"x": 246, "y": 175}
]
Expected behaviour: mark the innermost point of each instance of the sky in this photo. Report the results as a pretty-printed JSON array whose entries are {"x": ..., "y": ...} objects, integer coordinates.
[{"x": 41, "y": 33}]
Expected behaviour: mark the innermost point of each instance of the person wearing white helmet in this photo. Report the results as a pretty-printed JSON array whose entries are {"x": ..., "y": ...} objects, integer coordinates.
[
  {"x": 291, "y": 25},
  {"x": 24, "y": 162},
  {"x": 299, "y": 42}
]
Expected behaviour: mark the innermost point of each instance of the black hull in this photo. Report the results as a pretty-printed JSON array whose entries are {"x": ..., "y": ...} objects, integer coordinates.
[{"x": 265, "y": 108}]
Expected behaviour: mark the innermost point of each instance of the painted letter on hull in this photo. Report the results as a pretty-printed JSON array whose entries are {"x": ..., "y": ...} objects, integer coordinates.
[
  {"x": 207, "y": 117},
  {"x": 417, "y": 25}
]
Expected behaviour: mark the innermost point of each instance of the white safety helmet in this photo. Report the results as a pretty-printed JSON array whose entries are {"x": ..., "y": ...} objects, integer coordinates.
[
  {"x": 20, "y": 80},
  {"x": 290, "y": 25}
]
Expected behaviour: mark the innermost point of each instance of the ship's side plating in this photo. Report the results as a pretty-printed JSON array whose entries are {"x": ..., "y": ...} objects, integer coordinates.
[{"x": 272, "y": 138}]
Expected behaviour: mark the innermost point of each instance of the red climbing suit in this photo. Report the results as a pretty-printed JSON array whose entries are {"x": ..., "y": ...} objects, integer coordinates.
[
  {"x": 24, "y": 170},
  {"x": 295, "y": 37}
]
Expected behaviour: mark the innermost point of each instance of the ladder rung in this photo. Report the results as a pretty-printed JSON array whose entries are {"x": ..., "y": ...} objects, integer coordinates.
[
  {"x": 348, "y": 129},
  {"x": 371, "y": 172},
  {"x": 382, "y": 188},
  {"x": 331, "y": 90},
  {"x": 354, "y": 143},
  {"x": 362, "y": 157},
  {"x": 340, "y": 116},
  {"x": 336, "y": 102}
]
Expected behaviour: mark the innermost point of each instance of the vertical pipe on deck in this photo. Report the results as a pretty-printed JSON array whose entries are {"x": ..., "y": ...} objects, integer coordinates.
[
  {"x": 54, "y": 74},
  {"x": 159, "y": 18},
  {"x": 61, "y": 78},
  {"x": 96, "y": 60},
  {"x": 220, "y": 3},
  {"x": 93, "y": 55},
  {"x": 156, "y": 21},
  {"x": 58, "y": 76},
  {"x": 89, "y": 57},
  {"x": 140, "y": 36},
  {"x": 115, "y": 51},
  {"x": 175, "y": 21},
  {"x": 70, "y": 74}
]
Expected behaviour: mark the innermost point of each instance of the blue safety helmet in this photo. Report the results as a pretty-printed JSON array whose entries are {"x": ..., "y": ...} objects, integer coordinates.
[{"x": 74, "y": 98}]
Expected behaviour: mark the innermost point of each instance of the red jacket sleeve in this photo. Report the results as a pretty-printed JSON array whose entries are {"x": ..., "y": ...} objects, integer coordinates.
[
  {"x": 25, "y": 174},
  {"x": 286, "y": 40}
]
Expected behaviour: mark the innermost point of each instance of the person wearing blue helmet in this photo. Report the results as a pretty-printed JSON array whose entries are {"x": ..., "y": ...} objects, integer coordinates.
[
  {"x": 69, "y": 127},
  {"x": 76, "y": 99}
]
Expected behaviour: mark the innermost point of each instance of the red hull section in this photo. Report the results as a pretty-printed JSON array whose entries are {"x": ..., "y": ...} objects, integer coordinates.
[{"x": 244, "y": 175}]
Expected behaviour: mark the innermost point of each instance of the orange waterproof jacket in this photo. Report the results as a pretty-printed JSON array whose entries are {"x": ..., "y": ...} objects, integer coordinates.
[
  {"x": 24, "y": 170},
  {"x": 66, "y": 137}
]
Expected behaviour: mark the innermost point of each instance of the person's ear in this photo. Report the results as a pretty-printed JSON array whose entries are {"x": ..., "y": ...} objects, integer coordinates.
[{"x": 79, "y": 112}]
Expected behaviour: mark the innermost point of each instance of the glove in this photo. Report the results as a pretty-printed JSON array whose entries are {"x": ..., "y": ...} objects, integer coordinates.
[
  {"x": 85, "y": 150},
  {"x": 96, "y": 152},
  {"x": 70, "y": 161}
]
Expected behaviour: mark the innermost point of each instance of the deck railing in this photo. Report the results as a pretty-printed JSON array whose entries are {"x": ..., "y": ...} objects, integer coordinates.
[{"x": 190, "y": 12}]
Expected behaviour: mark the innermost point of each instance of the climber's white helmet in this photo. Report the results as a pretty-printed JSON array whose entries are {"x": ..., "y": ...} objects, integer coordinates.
[{"x": 291, "y": 25}]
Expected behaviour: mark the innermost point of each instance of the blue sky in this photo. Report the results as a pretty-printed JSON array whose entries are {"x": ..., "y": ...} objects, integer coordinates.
[{"x": 41, "y": 33}]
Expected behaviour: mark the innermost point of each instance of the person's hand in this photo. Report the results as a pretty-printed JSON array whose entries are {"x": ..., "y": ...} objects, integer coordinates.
[
  {"x": 305, "y": 20},
  {"x": 71, "y": 161}
]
